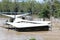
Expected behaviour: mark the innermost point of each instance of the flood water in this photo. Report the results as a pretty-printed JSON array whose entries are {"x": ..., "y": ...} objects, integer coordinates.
[{"x": 6, "y": 34}]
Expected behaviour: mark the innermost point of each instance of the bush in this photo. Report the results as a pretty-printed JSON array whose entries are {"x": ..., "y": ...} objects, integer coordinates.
[{"x": 32, "y": 39}]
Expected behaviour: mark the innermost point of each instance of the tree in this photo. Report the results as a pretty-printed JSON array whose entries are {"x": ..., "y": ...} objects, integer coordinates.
[
  {"x": 45, "y": 11},
  {"x": 57, "y": 9},
  {"x": 0, "y": 7},
  {"x": 5, "y": 5}
]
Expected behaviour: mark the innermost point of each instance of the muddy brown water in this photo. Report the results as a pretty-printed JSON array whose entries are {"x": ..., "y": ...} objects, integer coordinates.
[
  {"x": 13, "y": 34},
  {"x": 6, "y": 34}
]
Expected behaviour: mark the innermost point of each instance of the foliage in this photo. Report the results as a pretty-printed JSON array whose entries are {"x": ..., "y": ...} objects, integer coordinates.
[
  {"x": 32, "y": 39},
  {"x": 57, "y": 9},
  {"x": 42, "y": 9},
  {"x": 45, "y": 11}
]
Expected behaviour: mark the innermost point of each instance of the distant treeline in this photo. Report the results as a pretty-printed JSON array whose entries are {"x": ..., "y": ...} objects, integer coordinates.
[
  {"x": 44, "y": 9},
  {"x": 24, "y": 6}
]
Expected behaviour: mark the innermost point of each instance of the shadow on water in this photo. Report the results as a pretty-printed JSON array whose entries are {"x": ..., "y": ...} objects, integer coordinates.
[{"x": 31, "y": 29}]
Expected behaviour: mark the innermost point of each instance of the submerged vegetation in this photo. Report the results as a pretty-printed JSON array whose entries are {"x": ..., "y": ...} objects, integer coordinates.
[
  {"x": 32, "y": 39},
  {"x": 43, "y": 10}
]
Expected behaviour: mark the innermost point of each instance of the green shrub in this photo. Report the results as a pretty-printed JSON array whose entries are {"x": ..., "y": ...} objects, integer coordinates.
[{"x": 32, "y": 39}]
